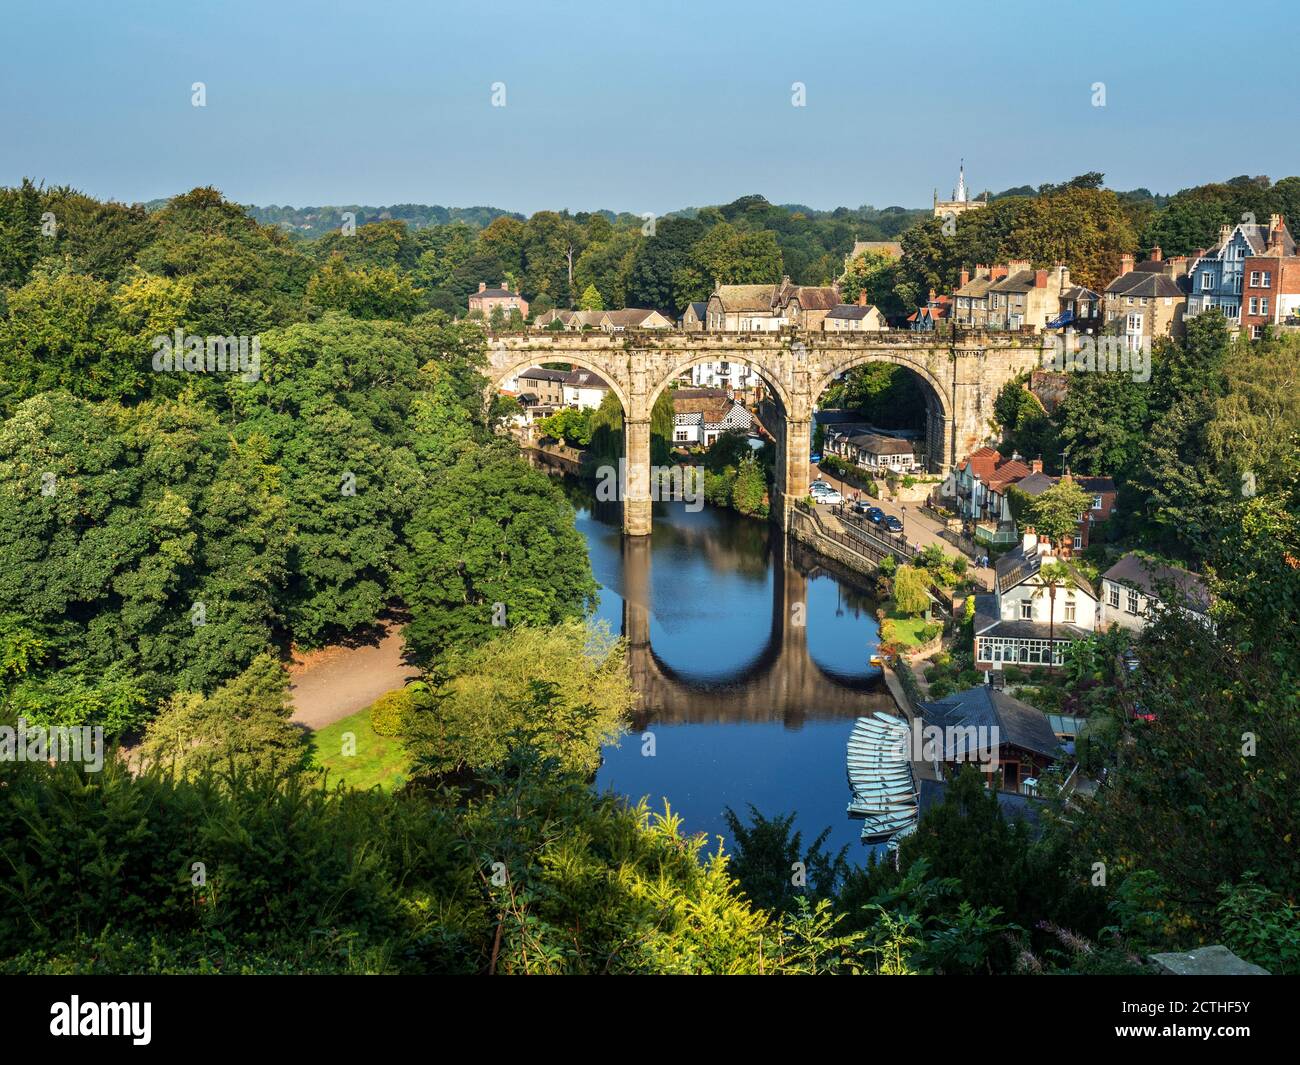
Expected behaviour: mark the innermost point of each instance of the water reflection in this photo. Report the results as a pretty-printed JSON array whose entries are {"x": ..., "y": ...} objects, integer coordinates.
[{"x": 751, "y": 656}]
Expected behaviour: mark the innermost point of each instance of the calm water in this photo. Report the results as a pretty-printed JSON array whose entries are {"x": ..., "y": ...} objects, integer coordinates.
[{"x": 746, "y": 704}]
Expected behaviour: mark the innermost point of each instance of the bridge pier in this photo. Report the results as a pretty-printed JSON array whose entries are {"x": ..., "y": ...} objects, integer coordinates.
[
  {"x": 794, "y": 448},
  {"x": 636, "y": 489}
]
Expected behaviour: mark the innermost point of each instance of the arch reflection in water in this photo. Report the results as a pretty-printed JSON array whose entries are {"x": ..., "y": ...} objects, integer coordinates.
[{"x": 751, "y": 658}]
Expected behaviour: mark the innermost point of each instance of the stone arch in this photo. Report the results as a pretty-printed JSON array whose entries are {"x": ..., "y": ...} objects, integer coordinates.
[
  {"x": 536, "y": 358},
  {"x": 939, "y": 401}
]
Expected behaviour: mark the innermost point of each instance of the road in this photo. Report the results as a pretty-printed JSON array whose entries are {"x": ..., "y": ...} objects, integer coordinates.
[
  {"x": 918, "y": 528},
  {"x": 330, "y": 684}
]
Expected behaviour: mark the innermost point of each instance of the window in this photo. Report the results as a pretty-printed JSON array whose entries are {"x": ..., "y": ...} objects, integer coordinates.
[
  {"x": 1268, "y": 279},
  {"x": 1112, "y": 596},
  {"x": 1096, "y": 502},
  {"x": 1254, "y": 305},
  {"x": 1132, "y": 601},
  {"x": 1254, "y": 279},
  {"x": 1026, "y": 611},
  {"x": 1134, "y": 323},
  {"x": 1263, "y": 305},
  {"x": 1071, "y": 608},
  {"x": 681, "y": 436},
  {"x": 1078, "y": 546},
  {"x": 1207, "y": 281},
  {"x": 1256, "y": 332}
]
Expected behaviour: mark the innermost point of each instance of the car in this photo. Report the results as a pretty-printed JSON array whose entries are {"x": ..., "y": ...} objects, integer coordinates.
[
  {"x": 892, "y": 524},
  {"x": 828, "y": 496},
  {"x": 875, "y": 515},
  {"x": 861, "y": 506},
  {"x": 820, "y": 483},
  {"x": 815, "y": 459}
]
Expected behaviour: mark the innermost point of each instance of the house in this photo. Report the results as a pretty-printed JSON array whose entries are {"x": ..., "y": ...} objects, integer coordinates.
[
  {"x": 743, "y": 308},
  {"x": 1102, "y": 490},
  {"x": 926, "y": 319},
  {"x": 1080, "y": 309},
  {"x": 701, "y": 415},
  {"x": 1271, "y": 291},
  {"x": 486, "y": 300},
  {"x": 858, "y": 317},
  {"x": 546, "y": 385},
  {"x": 1026, "y": 297},
  {"x": 970, "y": 300},
  {"x": 871, "y": 450},
  {"x": 978, "y": 490},
  {"x": 583, "y": 389},
  {"x": 1147, "y": 300},
  {"x": 890, "y": 249},
  {"x": 694, "y": 317},
  {"x": 805, "y": 306},
  {"x": 581, "y": 320},
  {"x": 738, "y": 379},
  {"x": 961, "y": 201},
  {"x": 1218, "y": 274},
  {"x": 633, "y": 318},
  {"x": 1136, "y": 588},
  {"x": 1021, "y": 622},
  {"x": 993, "y": 730},
  {"x": 544, "y": 321},
  {"x": 746, "y": 308}
]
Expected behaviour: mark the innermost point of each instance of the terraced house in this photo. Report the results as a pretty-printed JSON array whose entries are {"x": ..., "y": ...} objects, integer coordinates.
[
  {"x": 1147, "y": 299},
  {"x": 1219, "y": 274},
  {"x": 750, "y": 308}
]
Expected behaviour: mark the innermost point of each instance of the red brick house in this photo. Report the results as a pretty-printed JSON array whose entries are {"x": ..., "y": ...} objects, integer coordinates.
[
  {"x": 1270, "y": 281},
  {"x": 1102, "y": 490},
  {"x": 486, "y": 300}
]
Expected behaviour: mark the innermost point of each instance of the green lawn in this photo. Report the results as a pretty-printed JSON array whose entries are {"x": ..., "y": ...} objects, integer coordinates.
[
  {"x": 906, "y": 630},
  {"x": 378, "y": 759}
]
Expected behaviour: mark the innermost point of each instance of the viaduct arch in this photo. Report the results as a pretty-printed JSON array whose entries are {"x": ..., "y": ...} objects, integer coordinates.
[{"x": 961, "y": 376}]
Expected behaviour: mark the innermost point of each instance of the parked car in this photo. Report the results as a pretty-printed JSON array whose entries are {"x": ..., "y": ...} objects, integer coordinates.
[
  {"x": 827, "y": 496},
  {"x": 861, "y": 506},
  {"x": 892, "y": 524},
  {"x": 815, "y": 459},
  {"x": 819, "y": 483},
  {"x": 875, "y": 515}
]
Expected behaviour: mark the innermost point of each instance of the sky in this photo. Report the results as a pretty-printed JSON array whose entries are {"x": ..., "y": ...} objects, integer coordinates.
[{"x": 637, "y": 106}]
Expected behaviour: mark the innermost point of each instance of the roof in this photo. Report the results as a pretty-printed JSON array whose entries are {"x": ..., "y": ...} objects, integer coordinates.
[
  {"x": 1078, "y": 292},
  {"x": 1038, "y": 483},
  {"x": 628, "y": 316},
  {"x": 990, "y": 467},
  {"x": 1017, "y": 723},
  {"x": 699, "y": 309},
  {"x": 1017, "y": 566},
  {"x": 581, "y": 378},
  {"x": 1155, "y": 579},
  {"x": 536, "y": 373},
  {"x": 498, "y": 292},
  {"x": 581, "y": 318},
  {"x": 1020, "y": 281},
  {"x": 745, "y": 297},
  {"x": 876, "y": 443},
  {"x": 1149, "y": 285},
  {"x": 851, "y": 311},
  {"x": 976, "y": 286},
  {"x": 810, "y": 297}
]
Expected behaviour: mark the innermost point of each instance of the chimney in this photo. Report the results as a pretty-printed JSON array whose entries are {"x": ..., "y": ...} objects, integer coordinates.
[
  {"x": 1029, "y": 542},
  {"x": 482, "y": 285},
  {"x": 1156, "y": 254},
  {"x": 1225, "y": 231},
  {"x": 932, "y": 295},
  {"x": 1125, "y": 264},
  {"x": 1040, "y": 279},
  {"x": 1275, "y": 231},
  {"x": 1036, "y": 466},
  {"x": 1177, "y": 266},
  {"x": 965, "y": 277},
  {"x": 505, "y": 286},
  {"x": 997, "y": 271},
  {"x": 1014, "y": 265},
  {"x": 785, "y": 280},
  {"x": 862, "y": 298}
]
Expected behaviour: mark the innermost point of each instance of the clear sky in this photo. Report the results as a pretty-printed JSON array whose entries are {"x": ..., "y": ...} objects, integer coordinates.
[{"x": 639, "y": 106}]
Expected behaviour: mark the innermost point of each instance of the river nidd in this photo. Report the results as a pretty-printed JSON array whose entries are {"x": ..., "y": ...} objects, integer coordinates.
[{"x": 752, "y": 660}]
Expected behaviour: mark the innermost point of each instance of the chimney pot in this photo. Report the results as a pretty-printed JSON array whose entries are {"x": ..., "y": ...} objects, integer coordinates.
[
  {"x": 482, "y": 285},
  {"x": 1029, "y": 541},
  {"x": 1156, "y": 254},
  {"x": 1125, "y": 264},
  {"x": 1036, "y": 466},
  {"x": 862, "y": 298},
  {"x": 965, "y": 277},
  {"x": 1225, "y": 231}
]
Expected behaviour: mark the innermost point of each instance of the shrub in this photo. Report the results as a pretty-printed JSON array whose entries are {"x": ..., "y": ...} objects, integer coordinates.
[
  {"x": 941, "y": 687},
  {"x": 969, "y": 678},
  {"x": 388, "y": 712},
  {"x": 1014, "y": 675}
]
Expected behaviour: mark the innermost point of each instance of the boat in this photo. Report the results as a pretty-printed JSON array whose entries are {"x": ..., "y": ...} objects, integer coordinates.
[{"x": 877, "y": 661}]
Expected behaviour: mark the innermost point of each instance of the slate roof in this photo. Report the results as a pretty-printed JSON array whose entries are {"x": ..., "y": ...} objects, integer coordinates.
[
  {"x": 1016, "y": 567},
  {"x": 746, "y": 297},
  {"x": 700, "y": 309},
  {"x": 1020, "y": 281},
  {"x": 1154, "y": 579},
  {"x": 1038, "y": 483},
  {"x": 1140, "y": 283},
  {"x": 581, "y": 378},
  {"x": 1017, "y": 723},
  {"x": 874, "y": 442},
  {"x": 977, "y": 287},
  {"x": 536, "y": 373},
  {"x": 850, "y": 311},
  {"x": 492, "y": 292}
]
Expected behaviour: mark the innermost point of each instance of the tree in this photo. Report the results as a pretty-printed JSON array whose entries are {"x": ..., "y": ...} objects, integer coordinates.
[
  {"x": 1050, "y": 577},
  {"x": 1055, "y": 513},
  {"x": 591, "y": 299},
  {"x": 750, "y": 488},
  {"x": 364, "y": 292},
  {"x": 565, "y": 685},
  {"x": 243, "y": 725},
  {"x": 911, "y": 590}
]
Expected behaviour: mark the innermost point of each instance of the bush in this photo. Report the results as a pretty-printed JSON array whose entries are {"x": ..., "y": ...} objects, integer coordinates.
[
  {"x": 388, "y": 713},
  {"x": 941, "y": 687},
  {"x": 1014, "y": 675},
  {"x": 969, "y": 678}
]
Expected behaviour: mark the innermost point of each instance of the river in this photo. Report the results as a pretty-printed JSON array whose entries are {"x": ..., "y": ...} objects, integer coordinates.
[{"x": 752, "y": 660}]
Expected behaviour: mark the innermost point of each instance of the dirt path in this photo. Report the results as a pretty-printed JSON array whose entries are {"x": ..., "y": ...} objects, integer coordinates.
[{"x": 328, "y": 685}]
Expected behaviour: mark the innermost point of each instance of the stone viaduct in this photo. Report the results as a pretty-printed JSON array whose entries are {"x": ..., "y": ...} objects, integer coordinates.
[{"x": 961, "y": 378}]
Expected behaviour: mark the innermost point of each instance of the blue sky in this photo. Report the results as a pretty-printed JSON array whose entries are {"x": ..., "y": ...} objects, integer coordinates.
[{"x": 638, "y": 106}]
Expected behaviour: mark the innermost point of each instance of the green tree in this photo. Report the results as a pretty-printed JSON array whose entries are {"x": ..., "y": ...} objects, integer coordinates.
[
  {"x": 1055, "y": 512},
  {"x": 911, "y": 590},
  {"x": 591, "y": 299}
]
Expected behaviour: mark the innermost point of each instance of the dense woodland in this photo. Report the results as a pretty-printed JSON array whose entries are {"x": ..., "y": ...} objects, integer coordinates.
[{"x": 359, "y": 473}]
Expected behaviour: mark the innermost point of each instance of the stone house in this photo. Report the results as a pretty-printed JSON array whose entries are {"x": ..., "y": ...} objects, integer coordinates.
[
  {"x": 633, "y": 318},
  {"x": 859, "y": 317},
  {"x": 694, "y": 317},
  {"x": 486, "y": 300},
  {"x": 1025, "y": 297},
  {"x": 1147, "y": 300},
  {"x": 873, "y": 451}
]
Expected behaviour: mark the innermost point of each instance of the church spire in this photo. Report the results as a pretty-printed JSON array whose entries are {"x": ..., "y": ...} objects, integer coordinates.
[{"x": 959, "y": 194}]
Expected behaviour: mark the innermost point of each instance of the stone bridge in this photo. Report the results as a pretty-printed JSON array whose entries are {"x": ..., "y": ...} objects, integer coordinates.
[
  {"x": 784, "y": 683},
  {"x": 961, "y": 379}
]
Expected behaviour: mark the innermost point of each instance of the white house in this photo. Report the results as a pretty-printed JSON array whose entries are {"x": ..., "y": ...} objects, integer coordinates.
[
  {"x": 1135, "y": 589},
  {"x": 1023, "y": 623},
  {"x": 583, "y": 389}
]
